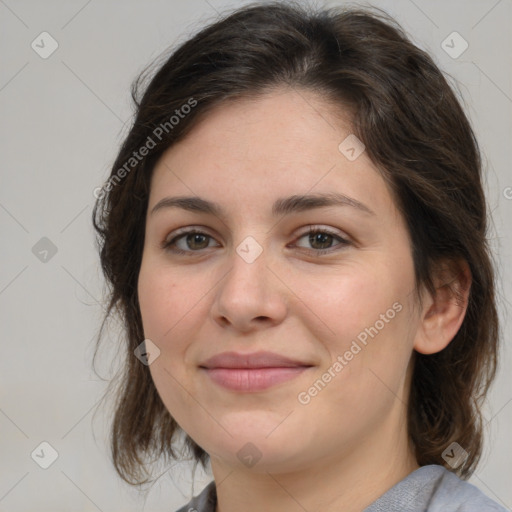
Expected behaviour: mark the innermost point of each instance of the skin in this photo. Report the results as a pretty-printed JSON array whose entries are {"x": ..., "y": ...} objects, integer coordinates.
[{"x": 349, "y": 444}]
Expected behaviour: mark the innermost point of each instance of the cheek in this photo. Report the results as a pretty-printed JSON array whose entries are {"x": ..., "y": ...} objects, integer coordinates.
[
  {"x": 154, "y": 293},
  {"x": 166, "y": 299},
  {"x": 168, "y": 320},
  {"x": 351, "y": 298},
  {"x": 366, "y": 317},
  {"x": 174, "y": 306}
]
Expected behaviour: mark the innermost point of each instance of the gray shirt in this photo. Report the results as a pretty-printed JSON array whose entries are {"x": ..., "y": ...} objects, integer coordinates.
[{"x": 430, "y": 488}]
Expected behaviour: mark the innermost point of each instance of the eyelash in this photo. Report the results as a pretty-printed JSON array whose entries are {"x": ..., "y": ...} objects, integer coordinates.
[{"x": 170, "y": 245}]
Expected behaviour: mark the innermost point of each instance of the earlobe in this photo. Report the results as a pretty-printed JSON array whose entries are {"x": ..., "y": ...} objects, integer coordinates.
[{"x": 443, "y": 314}]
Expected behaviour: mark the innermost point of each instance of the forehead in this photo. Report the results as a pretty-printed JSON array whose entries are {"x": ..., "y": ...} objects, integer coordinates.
[{"x": 254, "y": 151}]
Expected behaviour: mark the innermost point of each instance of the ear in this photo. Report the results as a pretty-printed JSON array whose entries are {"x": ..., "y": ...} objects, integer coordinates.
[{"x": 442, "y": 315}]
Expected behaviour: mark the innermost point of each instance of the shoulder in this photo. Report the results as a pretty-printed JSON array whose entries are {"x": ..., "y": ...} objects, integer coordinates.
[
  {"x": 464, "y": 496},
  {"x": 205, "y": 501},
  {"x": 433, "y": 488}
]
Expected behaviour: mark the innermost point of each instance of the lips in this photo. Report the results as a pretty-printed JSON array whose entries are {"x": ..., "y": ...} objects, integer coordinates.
[
  {"x": 252, "y": 372},
  {"x": 252, "y": 360}
]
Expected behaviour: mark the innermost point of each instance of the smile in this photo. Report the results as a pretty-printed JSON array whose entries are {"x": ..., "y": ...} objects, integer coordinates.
[{"x": 252, "y": 379}]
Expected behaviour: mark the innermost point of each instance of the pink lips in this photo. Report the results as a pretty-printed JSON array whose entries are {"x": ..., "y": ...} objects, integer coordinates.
[{"x": 252, "y": 372}]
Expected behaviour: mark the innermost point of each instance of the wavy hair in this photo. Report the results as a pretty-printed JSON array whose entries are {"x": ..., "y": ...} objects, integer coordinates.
[{"x": 415, "y": 131}]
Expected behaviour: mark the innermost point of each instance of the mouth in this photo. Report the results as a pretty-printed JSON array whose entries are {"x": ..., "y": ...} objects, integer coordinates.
[
  {"x": 253, "y": 379},
  {"x": 252, "y": 372}
]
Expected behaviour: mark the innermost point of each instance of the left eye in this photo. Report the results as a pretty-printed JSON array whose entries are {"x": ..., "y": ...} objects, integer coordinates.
[
  {"x": 323, "y": 238},
  {"x": 194, "y": 240}
]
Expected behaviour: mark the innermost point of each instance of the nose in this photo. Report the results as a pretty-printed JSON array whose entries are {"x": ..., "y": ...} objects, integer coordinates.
[{"x": 250, "y": 295}]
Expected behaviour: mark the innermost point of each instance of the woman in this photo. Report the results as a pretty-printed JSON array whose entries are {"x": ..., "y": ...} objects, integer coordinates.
[{"x": 294, "y": 231}]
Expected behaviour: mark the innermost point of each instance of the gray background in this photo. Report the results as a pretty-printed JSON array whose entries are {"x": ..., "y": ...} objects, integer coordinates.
[{"x": 62, "y": 120}]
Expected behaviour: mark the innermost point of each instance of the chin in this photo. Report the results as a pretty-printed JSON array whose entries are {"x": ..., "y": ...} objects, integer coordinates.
[{"x": 258, "y": 456}]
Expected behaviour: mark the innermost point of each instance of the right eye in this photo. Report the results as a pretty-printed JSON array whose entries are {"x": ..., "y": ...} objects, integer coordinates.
[{"x": 192, "y": 241}]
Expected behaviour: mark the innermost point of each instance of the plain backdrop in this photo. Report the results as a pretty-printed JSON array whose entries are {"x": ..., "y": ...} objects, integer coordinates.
[{"x": 62, "y": 119}]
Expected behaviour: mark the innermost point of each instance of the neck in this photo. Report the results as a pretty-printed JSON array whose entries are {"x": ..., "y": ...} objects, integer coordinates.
[{"x": 350, "y": 480}]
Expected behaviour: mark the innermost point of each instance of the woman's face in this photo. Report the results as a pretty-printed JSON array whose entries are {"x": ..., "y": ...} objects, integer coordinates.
[{"x": 255, "y": 280}]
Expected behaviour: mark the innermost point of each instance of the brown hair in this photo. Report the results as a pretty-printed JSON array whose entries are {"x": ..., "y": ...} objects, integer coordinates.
[{"x": 414, "y": 130}]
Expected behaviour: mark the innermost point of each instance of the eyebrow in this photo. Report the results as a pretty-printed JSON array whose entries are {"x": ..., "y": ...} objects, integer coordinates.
[{"x": 281, "y": 207}]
